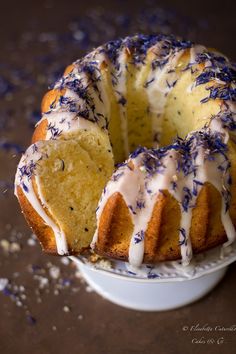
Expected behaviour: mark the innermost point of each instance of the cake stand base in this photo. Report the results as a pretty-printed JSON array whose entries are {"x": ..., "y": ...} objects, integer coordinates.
[{"x": 149, "y": 295}]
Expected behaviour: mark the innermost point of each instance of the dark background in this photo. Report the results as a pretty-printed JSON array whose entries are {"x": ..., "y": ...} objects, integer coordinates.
[
  {"x": 53, "y": 15},
  {"x": 45, "y": 312}
]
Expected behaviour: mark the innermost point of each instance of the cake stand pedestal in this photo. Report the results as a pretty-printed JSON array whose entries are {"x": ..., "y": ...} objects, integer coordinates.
[{"x": 151, "y": 295}]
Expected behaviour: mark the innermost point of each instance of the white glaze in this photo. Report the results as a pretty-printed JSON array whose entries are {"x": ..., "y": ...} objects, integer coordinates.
[
  {"x": 158, "y": 90},
  {"x": 99, "y": 97},
  {"x": 33, "y": 155},
  {"x": 194, "y": 51},
  {"x": 65, "y": 122},
  {"x": 120, "y": 91}
]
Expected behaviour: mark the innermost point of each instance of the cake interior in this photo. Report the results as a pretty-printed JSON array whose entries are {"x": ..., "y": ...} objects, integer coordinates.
[{"x": 72, "y": 174}]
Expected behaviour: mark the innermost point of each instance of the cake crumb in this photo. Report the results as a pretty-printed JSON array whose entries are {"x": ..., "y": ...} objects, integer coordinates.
[
  {"x": 31, "y": 242},
  {"x": 5, "y": 244},
  {"x": 14, "y": 247},
  {"x": 3, "y": 283},
  {"x": 66, "y": 309},
  {"x": 65, "y": 260},
  {"x": 54, "y": 272},
  {"x": 105, "y": 264}
]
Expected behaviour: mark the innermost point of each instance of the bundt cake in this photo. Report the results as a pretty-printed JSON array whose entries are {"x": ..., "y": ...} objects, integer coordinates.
[{"x": 146, "y": 125}]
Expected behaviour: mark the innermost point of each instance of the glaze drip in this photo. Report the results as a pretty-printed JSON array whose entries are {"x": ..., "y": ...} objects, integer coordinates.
[{"x": 24, "y": 178}]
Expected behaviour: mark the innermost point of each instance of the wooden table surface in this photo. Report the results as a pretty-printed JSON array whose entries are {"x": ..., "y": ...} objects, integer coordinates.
[{"x": 45, "y": 305}]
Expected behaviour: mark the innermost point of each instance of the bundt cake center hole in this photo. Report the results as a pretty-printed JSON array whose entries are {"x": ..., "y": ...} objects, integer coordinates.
[{"x": 149, "y": 116}]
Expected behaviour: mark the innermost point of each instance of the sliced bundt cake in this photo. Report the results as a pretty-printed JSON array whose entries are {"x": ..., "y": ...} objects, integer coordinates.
[{"x": 174, "y": 195}]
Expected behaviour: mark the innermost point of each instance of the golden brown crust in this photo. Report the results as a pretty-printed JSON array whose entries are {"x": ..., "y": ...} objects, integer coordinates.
[
  {"x": 152, "y": 236},
  {"x": 49, "y": 99},
  {"x": 52, "y": 96},
  {"x": 44, "y": 232},
  {"x": 162, "y": 235},
  {"x": 115, "y": 227},
  {"x": 40, "y": 131},
  {"x": 68, "y": 69}
]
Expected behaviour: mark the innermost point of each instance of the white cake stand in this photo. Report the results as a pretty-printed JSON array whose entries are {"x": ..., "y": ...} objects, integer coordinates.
[{"x": 166, "y": 286}]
